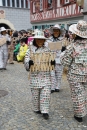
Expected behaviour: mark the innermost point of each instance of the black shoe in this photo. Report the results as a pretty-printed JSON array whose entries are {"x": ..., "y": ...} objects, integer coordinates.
[
  {"x": 4, "y": 69},
  {"x": 79, "y": 119},
  {"x": 57, "y": 90},
  {"x": 45, "y": 115},
  {"x": 1, "y": 68},
  {"x": 38, "y": 112},
  {"x": 11, "y": 63},
  {"x": 52, "y": 91}
]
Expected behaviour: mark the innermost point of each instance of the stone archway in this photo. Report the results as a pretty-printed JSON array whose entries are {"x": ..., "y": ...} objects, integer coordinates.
[
  {"x": 4, "y": 25},
  {"x": 7, "y": 24}
]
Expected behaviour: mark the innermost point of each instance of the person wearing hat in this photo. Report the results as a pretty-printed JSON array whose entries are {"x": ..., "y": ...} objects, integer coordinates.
[
  {"x": 40, "y": 81},
  {"x": 4, "y": 49},
  {"x": 75, "y": 58},
  {"x": 56, "y": 75}
]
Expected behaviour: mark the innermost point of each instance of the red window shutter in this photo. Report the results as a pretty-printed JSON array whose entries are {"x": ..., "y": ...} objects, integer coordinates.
[{"x": 61, "y": 2}]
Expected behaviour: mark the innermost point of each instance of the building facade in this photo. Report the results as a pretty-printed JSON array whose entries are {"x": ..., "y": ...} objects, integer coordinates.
[
  {"x": 85, "y": 10},
  {"x": 46, "y": 13},
  {"x": 15, "y": 14}
]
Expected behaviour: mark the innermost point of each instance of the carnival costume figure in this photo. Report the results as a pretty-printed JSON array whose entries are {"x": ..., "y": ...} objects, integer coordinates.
[
  {"x": 40, "y": 81},
  {"x": 75, "y": 58},
  {"x": 56, "y": 75},
  {"x": 4, "y": 49}
]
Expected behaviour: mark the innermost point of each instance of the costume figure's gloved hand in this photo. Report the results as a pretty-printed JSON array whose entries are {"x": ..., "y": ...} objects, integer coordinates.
[
  {"x": 63, "y": 48},
  {"x": 30, "y": 63},
  {"x": 8, "y": 42},
  {"x": 53, "y": 62}
]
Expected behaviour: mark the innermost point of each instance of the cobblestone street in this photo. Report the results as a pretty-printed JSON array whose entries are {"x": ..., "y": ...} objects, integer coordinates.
[{"x": 16, "y": 107}]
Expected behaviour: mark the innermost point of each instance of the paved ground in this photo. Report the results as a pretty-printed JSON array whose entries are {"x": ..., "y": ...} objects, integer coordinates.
[{"x": 16, "y": 106}]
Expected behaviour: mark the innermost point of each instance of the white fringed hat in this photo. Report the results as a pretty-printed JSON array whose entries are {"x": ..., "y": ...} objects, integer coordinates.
[
  {"x": 39, "y": 35},
  {"x": 79, "y": 29},
  {"x": 57, "y": 26},
  {"x": 34, "y": 32}
]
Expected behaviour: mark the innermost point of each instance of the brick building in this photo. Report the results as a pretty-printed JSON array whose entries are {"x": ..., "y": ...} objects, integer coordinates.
[
  {"x": 15, "y": 14},
  {"x": 45, "y": 13}
]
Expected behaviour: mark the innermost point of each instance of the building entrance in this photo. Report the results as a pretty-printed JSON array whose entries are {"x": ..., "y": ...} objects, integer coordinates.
[{"x": 4, "y": 25}]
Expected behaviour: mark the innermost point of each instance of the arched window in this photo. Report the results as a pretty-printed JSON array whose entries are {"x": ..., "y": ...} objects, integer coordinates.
[
  {"x": 17, "y": 1},
  {"x": 41, "y": 5},
  {"x": 50, "y": 3}
]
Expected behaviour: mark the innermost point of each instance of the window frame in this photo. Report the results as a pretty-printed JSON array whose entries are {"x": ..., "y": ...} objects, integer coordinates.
[
  {"x": 33, "y": 7},
  {"x": 41, "y": 5},
  {"x": 66, "y": 2},
  {"x": 3, "y": 3},
  {"x": 16, "y": 4},
  {"x": 22, "y": 4},
  {"x": 51, "y": 4}
]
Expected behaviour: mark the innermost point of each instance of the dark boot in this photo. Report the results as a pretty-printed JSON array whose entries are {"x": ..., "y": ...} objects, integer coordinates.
[
  {"x": 1, "y": 68},
  {"x": 79, "y": 119},
  {"x": 4, "y": 69},
  {"x": 57, "y": 90},
  {"x": 52, "y": 91},
  {"x": 45, "y": 115},
  {"x": 38, "y": 112}
]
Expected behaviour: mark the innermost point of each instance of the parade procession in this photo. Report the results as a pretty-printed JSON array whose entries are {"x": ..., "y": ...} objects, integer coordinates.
[{"x": 43, "y": 78}]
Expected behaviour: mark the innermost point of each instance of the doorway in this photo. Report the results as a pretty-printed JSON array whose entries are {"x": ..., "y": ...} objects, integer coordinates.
[{"x": 4, "y": 25}]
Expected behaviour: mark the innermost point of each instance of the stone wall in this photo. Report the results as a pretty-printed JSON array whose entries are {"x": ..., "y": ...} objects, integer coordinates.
[{"x": 20, "y": 18}]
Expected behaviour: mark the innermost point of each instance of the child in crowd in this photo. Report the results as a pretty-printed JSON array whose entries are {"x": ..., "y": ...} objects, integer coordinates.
[
  {"x": 22, "y": 50},
  {"x": 16, "y": 50}
]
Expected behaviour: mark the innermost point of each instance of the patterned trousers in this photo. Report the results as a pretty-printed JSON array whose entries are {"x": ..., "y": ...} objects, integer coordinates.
[
  {"x": 3, "y": 56},
  {"x": 56, "y": 76},
  {"x": 78, "y": 94},
  {"x": 41, "y": 99}
]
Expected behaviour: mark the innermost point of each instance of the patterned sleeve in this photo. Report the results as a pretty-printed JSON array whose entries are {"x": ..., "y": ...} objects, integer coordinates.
[
  {"x": 66, "y": 57},
  {"x": 8, "y": 38},
  {"x": 26, "y": 61}
]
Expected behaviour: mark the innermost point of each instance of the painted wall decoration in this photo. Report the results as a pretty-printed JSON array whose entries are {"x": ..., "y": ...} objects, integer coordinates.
[
  {"x": 70, "y": 10},
  {"x": 2, "y": 14}
]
